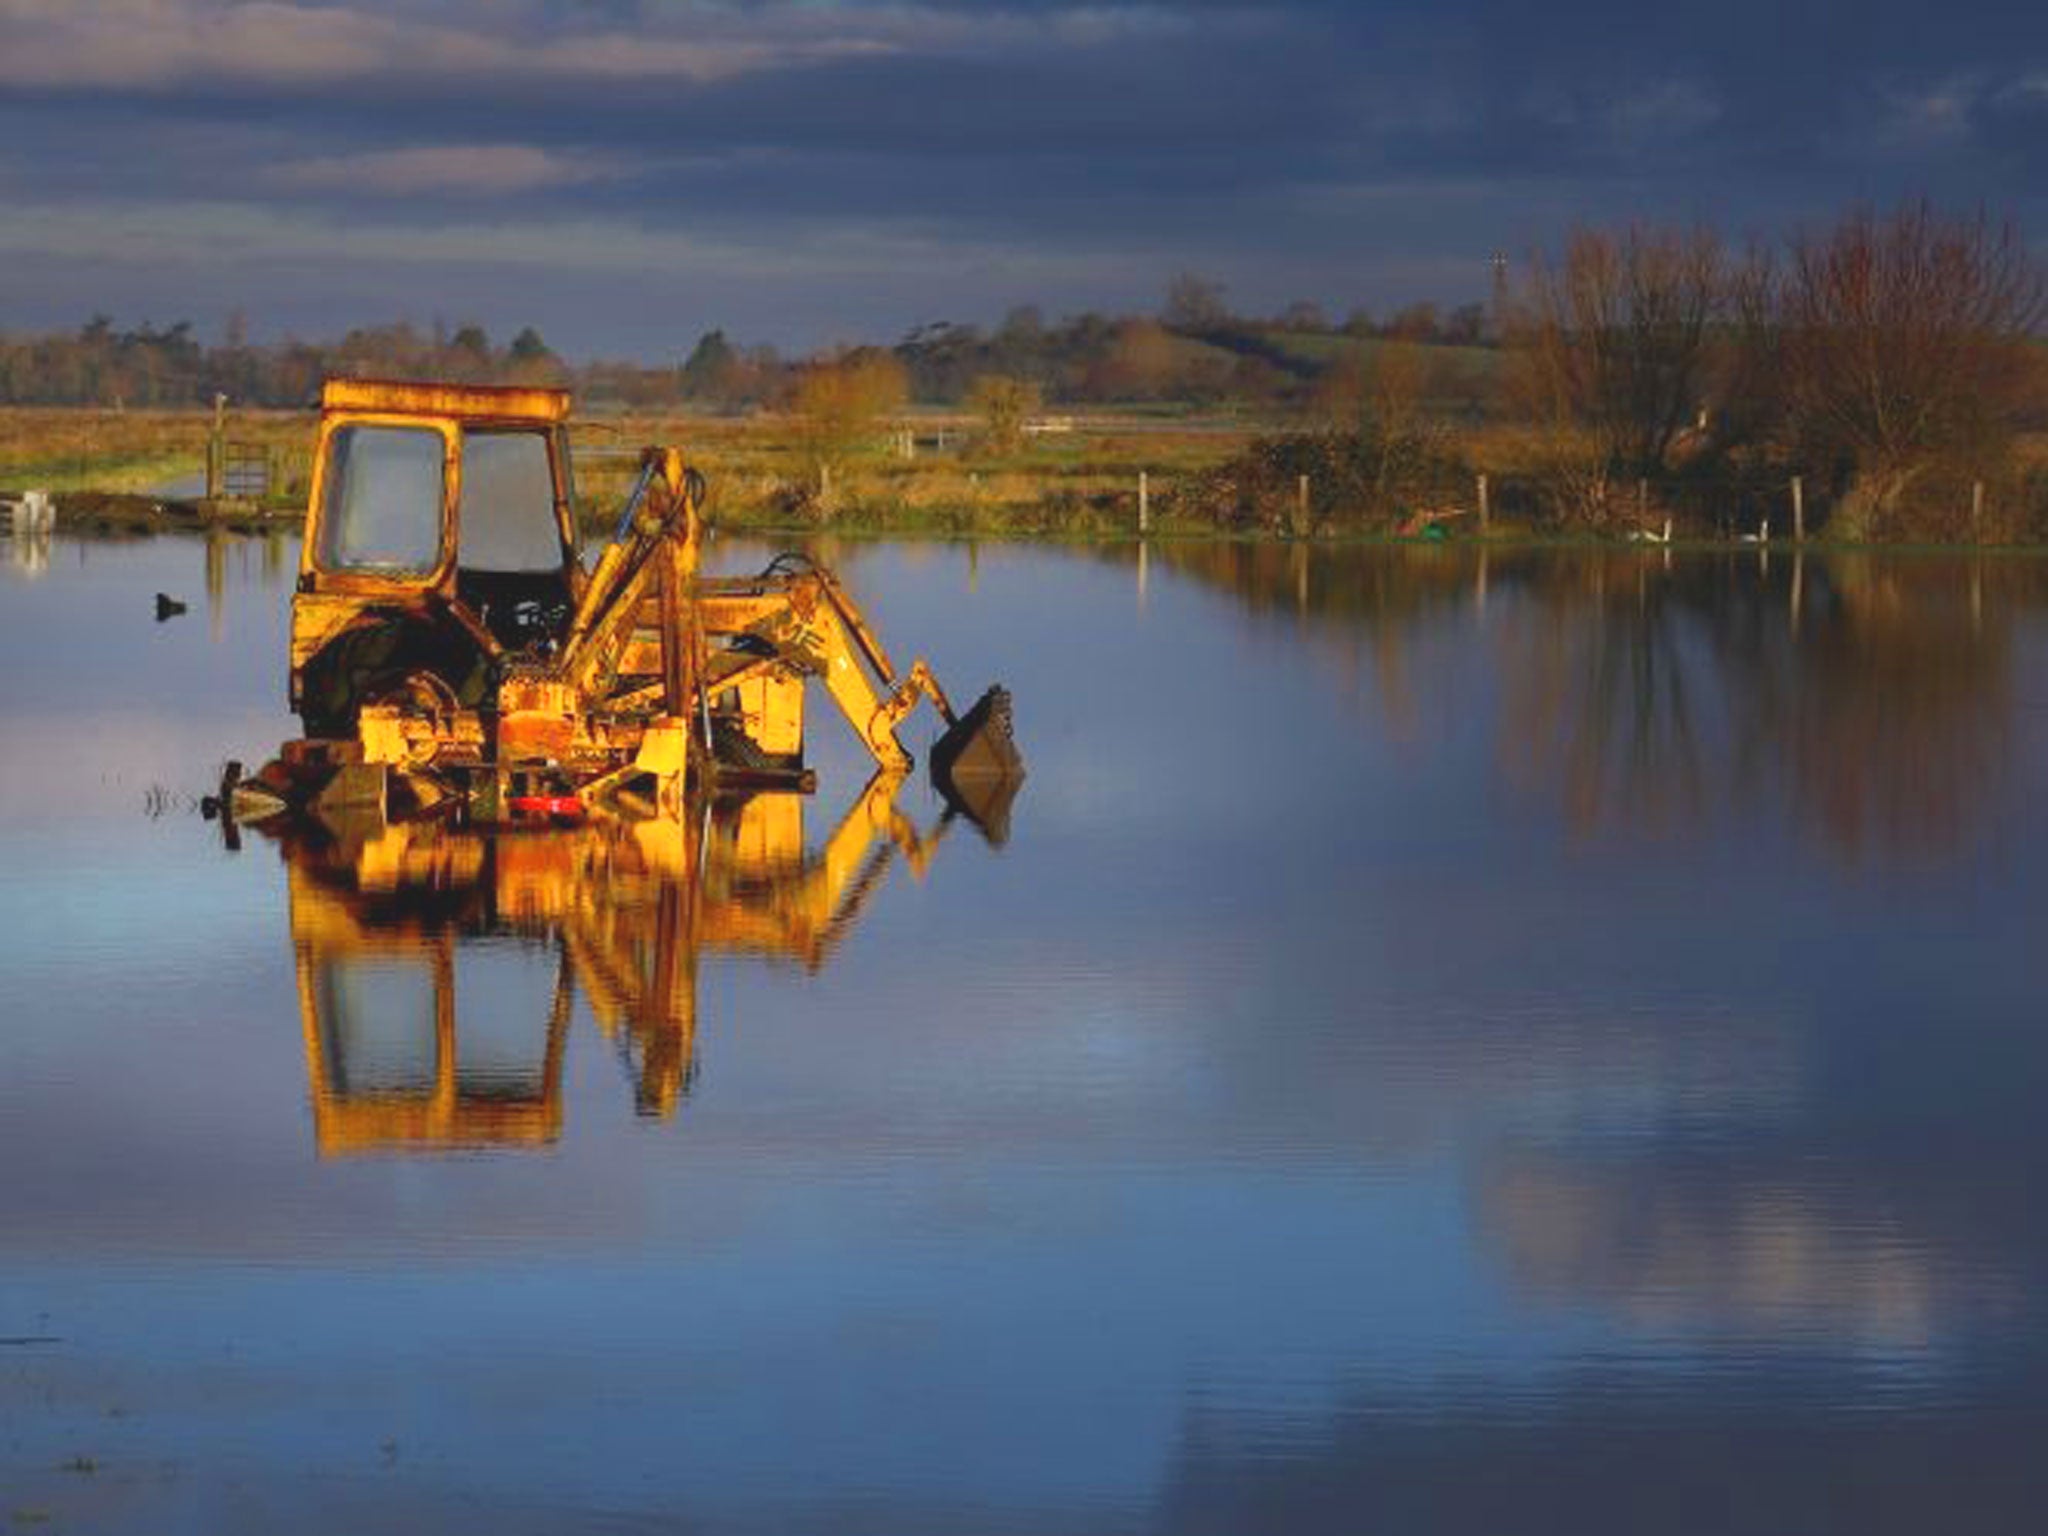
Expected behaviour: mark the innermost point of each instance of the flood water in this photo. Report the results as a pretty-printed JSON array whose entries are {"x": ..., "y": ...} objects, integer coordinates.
[{"x": 1534, "y": 1042}]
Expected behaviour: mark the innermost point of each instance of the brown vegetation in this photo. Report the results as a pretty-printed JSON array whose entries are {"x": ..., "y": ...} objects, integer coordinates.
[
  {"x": 1908, "y": 347},
  {"x": 1622, "y": 351},
  {"x": 839, "y": 403},
  {"x": 1005, "y": 406}
]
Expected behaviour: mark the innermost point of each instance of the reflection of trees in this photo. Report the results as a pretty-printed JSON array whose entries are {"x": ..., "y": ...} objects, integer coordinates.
[
  {"x": 1891, "y": 719},
  {"x": 1604, "y": 686},
  {"x": 1871, "y": 697},
  {"x": 1353, "y": 606}
]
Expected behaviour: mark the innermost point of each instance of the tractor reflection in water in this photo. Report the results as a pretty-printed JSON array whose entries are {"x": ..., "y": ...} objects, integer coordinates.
[{"x": 425, "y": 1029}]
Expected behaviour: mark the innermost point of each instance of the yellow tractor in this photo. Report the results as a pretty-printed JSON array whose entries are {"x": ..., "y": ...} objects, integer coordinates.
[{"x": 452, "y": 655}]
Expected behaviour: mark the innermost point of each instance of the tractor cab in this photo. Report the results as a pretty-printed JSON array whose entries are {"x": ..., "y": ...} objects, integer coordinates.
[{"x": 440, "y": 530}]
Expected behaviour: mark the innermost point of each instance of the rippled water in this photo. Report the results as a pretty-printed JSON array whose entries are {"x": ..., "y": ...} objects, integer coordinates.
[{"x": 1450, "y": 1043}]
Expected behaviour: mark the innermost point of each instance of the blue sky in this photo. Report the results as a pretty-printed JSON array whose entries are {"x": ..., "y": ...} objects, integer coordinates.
[{"x": 627, "y": 173}]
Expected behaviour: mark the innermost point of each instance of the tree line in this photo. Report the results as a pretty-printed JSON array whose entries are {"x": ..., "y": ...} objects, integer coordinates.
[
  {"x": 1888, "y": 365},
  {"x": 1886, "y": 362},
  {"x": 1194, "y": 351},
  {"x": 1876, "y": 378}
]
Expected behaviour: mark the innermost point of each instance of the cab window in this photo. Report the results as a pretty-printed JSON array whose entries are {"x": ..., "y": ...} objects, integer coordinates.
[
  {"x": 385, "y": 487},
  {"x": 507, "y": 511}
]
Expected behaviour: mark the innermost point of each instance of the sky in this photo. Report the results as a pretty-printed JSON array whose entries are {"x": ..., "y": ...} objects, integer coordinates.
[{"x": 626, "y": 174}]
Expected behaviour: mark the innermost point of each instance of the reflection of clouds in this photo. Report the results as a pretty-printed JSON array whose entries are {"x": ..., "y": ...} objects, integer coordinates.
[
  {"x": 1632, "y": 1073},
  {"x": 1679, "y": 1250},
  {"x": 1408, "y": 1082}
]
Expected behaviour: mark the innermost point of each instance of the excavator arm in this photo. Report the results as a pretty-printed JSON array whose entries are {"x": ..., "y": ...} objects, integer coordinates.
[{"x": 796, "y": 619}]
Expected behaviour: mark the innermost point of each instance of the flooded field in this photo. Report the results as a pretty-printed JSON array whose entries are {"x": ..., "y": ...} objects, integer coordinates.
[{"x": 1446, "y": 1042}]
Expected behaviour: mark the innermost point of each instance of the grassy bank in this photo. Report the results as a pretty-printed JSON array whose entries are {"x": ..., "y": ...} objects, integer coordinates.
[
  {"x": 933, "y": 474},
  {"x": 926, "y": 474},
  {"x": 929, "y": 473}
]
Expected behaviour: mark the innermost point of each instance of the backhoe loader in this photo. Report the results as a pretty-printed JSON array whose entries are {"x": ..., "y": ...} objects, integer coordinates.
[{"x": 451, "y": 654}]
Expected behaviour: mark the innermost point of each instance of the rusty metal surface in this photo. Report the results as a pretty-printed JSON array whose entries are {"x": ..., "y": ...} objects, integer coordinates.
[{"x": 465, "y": 402}]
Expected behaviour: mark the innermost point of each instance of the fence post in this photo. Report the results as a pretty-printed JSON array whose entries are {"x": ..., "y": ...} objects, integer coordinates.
[
  {"x": 1485, "y": 509},
  {"x": 1301, "y": 508},
  {"x": 1799, "y": 508},
  {"x": 1977, "y": 512},
  {"x": 217, "y": 451},
  {"x": 1144, "y": 503}
]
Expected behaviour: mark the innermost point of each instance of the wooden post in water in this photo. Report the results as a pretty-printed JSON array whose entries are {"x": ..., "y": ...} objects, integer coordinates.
[
  {"x": 1301, "y": 508},
  {"x": 1144, "y": 503},
  {"x": 1485, "y": 508},
  {"x": 1799, "y": 508}
]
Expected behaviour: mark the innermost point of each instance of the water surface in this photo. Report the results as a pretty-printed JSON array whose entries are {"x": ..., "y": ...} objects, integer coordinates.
[{"x": 1451, "y": 1042}]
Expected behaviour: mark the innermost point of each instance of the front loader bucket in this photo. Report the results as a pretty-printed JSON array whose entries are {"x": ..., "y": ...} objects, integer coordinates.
[{"x": 977, "y": 767}]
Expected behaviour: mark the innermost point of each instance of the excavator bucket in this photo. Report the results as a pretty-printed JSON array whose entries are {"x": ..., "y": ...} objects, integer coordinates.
[{"x": 977, "y": 767}]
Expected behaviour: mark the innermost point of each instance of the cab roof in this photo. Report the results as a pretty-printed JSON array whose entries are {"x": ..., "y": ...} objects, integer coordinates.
[{"x": 467, "y": 402}]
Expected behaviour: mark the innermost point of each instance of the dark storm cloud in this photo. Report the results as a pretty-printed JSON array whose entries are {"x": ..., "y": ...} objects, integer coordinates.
[{"x": 1345, "y": 153}]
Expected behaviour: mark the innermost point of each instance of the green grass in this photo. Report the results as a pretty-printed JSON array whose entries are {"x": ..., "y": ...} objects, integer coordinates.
[{"x": 1080, "y": 484}]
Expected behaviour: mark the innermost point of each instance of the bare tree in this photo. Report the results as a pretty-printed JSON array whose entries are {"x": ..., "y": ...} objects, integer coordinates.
[
  {"x": 1618, "y": 349},
  {"x": 1908, "y": 344}
]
